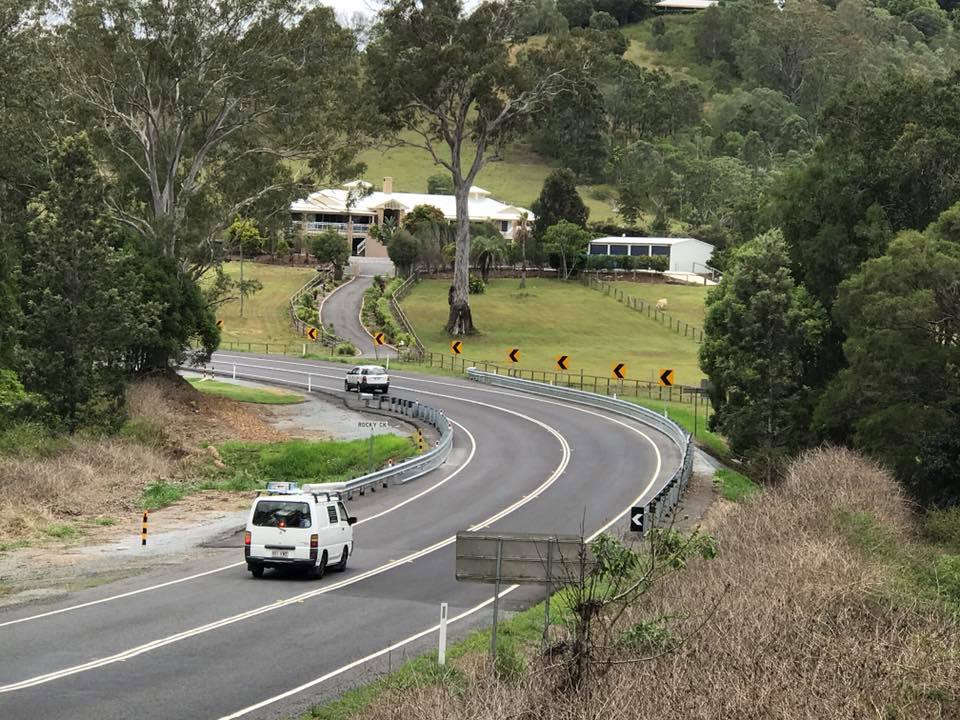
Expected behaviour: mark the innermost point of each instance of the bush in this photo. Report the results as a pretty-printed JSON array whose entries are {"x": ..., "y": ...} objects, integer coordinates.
[
  {"x": 345, "y": 348},
  {"x": 30, "y": 440},
  {"x": 477, "y": 286},
  {"x": 943, "y": 526},
  {"x": 144, "y": 431}
]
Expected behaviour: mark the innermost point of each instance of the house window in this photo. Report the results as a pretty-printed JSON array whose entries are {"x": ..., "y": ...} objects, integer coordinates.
[
  {"x": 297, "y": 217},
  {"x": 596, "y": 249},
  {"x": 639, "y": 249},
  {"x": 660, "y": 250},
  {"x": 504, "y": 226},
  {"x": 618, "y": 249}
]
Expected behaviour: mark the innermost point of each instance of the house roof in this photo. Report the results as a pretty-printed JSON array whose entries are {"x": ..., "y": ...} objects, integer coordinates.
[
  {"x": 686, "y": 4},
  {"x": 621, "y": 240},
  {"x": 481, "y": 205}
]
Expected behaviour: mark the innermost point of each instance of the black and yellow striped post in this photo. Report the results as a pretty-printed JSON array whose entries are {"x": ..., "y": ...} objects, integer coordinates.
[
  {"x": 143, "y": 532},
  {"x": 421, "y": 443}
]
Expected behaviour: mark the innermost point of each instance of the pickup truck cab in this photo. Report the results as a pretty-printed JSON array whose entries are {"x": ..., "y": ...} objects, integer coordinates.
[
  {"x": 305, "y": 528},
  {"x": 367, "y": 378}
]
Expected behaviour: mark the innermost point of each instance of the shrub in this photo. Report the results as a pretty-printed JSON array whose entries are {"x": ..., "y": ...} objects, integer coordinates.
[
  {"x": 30, "y": 440},
  {"x": 943, "y": 526},
  {"x": 144, "y": 431},
  {"x": 345, "y": 348},
  {"x": 477, "y": 286}
]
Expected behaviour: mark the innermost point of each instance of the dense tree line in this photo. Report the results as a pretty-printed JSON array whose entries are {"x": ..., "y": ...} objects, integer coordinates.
[{"x": 132, "y": 136}]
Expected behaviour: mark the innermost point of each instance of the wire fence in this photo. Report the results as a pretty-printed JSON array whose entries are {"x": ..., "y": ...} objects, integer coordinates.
[{"x": 643, "y": 306}]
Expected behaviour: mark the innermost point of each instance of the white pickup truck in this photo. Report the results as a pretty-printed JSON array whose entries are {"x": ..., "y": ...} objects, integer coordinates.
[{"x": 293, "y": 527}]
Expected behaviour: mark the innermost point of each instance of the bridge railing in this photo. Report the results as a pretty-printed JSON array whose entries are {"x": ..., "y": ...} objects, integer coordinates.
[{"x": 659, "y": 506}]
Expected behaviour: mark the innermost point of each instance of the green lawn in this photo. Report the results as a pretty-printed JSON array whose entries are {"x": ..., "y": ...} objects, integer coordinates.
[
  {"x": 265, "y": 315},
  {"x": 684, "y": 302},
  {"x": 242, "y": 393},
  {"x": 517, "y": 179},
  {"x": 734, "y": 486},
  {"x": 552, "y": 318}
]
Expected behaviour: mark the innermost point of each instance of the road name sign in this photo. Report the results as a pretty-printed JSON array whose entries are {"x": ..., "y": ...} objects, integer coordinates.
[
  {"x": 563, "y": 362},
  {"x": 636, "y": 519},
  {"x": 313, "y": 333},
  {"x": 513, "y": 355},
  {"x": 380, "y": 339},
  {"x": 456, "y": 347},
  {"x": 666, "y": 377},
  {"x": 373, "y": 424},
  {"x": 619, "y": 371}
]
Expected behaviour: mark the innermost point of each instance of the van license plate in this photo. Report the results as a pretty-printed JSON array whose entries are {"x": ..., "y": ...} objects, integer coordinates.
[{"x": 281, "y": 553}]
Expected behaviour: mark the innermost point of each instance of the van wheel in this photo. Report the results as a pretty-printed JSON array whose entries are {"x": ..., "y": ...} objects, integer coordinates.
[
  {"x": 320, "y": 570},
  {"x": 256, "y": 570},
  {"x": 342, "y": 565}
]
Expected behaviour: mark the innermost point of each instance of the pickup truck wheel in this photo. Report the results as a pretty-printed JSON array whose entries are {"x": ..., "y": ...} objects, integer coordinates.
[
  {"x": 342, "y": 565},
  {"x": 320, "y": 570},
  {"x": 256, "y": 570}
]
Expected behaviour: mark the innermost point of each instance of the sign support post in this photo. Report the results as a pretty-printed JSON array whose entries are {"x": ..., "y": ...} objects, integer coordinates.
[
  {"x": 546, "y": 603},
  {"x": 496, "y": 609}
]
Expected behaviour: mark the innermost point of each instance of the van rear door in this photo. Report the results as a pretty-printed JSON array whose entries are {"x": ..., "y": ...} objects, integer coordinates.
[{"x": 281, "y": 529}]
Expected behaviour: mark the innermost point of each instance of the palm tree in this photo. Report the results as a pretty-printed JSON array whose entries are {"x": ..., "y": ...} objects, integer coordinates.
[{"x": 488, "y": 252}]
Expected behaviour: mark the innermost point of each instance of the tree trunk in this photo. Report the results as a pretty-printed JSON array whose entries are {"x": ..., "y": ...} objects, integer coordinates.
[{"x": 460, "y": 321}]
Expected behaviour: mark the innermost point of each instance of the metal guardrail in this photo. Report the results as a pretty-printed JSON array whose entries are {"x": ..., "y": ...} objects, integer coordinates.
[
  {"x": 401, "y": 472},
  {"x": 660, "y": 507}
]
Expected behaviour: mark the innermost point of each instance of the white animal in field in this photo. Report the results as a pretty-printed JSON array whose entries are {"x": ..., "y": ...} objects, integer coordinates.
[{"x": 662, "y": 304}]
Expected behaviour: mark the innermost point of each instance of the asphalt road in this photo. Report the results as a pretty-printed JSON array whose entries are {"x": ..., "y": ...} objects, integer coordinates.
[
  {"x": 342, "y": 308},
  {"x": 226, "y": 645}
]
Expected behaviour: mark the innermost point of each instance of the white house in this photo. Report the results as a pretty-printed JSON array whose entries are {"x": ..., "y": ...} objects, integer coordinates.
[
  {"x": 687, "y": 255},
  {"x": 353, "y": 210}
]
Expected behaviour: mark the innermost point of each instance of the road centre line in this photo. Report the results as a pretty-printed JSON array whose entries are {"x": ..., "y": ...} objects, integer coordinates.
[
  {"x": 160, "y": 586},
  {"x": 423, "y": 633},
  {"x": 169, "y": 640}
]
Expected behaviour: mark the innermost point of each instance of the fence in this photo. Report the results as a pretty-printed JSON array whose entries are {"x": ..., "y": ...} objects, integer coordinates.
[
  {"x": 416, "y": 349},
  {"x": 657, "y": 509},
  {"x": 399, "y": 473},
  {"x": 627, "y": 387},
  {"x": 641, "y": 306},
  {"x": 299, "y": 325}
]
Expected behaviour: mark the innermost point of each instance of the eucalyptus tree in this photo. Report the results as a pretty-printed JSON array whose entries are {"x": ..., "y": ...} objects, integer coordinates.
[
  {"x": 203, "y": 110},
  {"x": 445, "y": 81}
]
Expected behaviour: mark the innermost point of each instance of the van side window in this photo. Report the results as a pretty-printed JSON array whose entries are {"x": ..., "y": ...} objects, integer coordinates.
[
  {"x": 332, "y": 513},
  {"x": 343, "y": 512}
]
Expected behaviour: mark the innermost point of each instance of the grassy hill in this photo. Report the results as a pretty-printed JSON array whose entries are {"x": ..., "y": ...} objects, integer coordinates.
[
  {"x": 265, "y": 318},
  {"x": 517, "y": 179},
  {"x": 552, "y": 318}
]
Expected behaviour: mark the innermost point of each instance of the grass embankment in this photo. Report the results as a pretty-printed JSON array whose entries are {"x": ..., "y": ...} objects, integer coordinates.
[
  {"x": 266, "y": 317},
  {"x": 733, "y": 486},
  {"x": 515, "y": 180},
  {"x": 826, "y": 601},
  {"x": 243, "y": 466},
  {"x": 551, "y": 318},
  {"x": 242, "y": 393}
]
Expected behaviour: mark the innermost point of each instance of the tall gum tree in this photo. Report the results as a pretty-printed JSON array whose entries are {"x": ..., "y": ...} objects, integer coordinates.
[
  {"x": 444, "y": 81},
  {"x": 204, "y": 110}
]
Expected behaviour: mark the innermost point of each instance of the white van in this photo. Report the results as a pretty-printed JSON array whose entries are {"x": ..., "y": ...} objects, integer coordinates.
[{"x": 293, "y": 527}]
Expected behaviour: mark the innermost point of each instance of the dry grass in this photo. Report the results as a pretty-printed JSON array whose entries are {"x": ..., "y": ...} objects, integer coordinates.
[
  {"x": 791, "y": 621},
  {"x": 106, "y": 477}
]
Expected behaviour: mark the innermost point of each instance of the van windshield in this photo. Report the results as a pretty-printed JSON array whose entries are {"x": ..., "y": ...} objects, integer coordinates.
[{"x": 281, "y": 513}]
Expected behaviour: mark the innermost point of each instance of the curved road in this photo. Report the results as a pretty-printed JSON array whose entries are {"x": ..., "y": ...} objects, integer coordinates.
[
  {"x": 342, "y": 309},
  {"x": 212, "y": 642}
]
